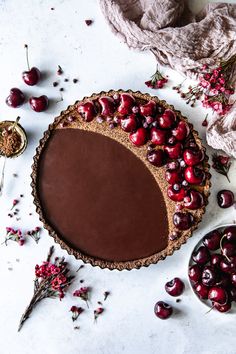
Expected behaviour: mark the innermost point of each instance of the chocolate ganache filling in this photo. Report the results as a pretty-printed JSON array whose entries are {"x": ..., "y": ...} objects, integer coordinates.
[{"x": 100, "y": 198}]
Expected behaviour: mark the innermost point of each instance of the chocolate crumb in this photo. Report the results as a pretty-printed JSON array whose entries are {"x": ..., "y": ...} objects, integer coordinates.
[
  {"x": 15, "y": 175},
  {"x": 21, "y": 195},
  {"x": 75, "y": 81},
  {"x": 178, "y": 300},
  {"x": 52, "y": 8},
  {"x": 99, "y": 303},
  {"x": 88, "y": 22},
  {"x": 66, "y": 80},
  {"x": 81, "y": 281},
  {"x": 10, "y": 268},
  {"x": 55, "y": 84},
  {"x": 30, "y": 214},
  {"x": 61, "y": 89}
]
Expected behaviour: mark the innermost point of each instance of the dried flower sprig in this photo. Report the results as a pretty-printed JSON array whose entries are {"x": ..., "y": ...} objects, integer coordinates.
[
  {"x": 76, "y": 311},
  {"x": 52, "y": 280},
  {"x": 83, "y": 293},
  {"x": 14, "y": 235},
  {"x": 35, "y": 234},
  {"x": 214, "y": 88},
  {"x": 157, "y": 80},
  {"x": 98, "y": 312},
  {"x": 14, "y": 203},
  {"x": 221, "y": 164}
]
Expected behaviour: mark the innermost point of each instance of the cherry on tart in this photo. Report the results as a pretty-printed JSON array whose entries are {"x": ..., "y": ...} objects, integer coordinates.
[
  {"x": 39, "y": 104},
  {"x": 194, "y": 175},
  {"x": 182, "y": 131},
  {"x": 32, "y": 76},
  {"x": 167, "y": 120},
  {"x": 107, "y": 106},
  {"x": 127, "y": 102},
  {"x": 87, "y": 111},
  {"x": 148, "y": 109},
  {"x": 158, "y": 136},
  {"x": 174, "y": 151},
  {"x": 119, "y": 152},
  {"x": 193, "y": 156},
  {"x": 139, "y": 137},
  {"x": 129, "y": 124},
  {"x": 16, "y": 98},
  {"x": 163, "y": 310}
]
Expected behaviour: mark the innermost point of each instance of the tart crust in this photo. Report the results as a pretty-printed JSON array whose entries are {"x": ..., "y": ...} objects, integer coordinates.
[{"x": 62, "y": 122}]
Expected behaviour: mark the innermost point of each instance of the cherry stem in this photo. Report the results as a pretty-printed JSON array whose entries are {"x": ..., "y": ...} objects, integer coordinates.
[
  {"x": 27, "y": 56},
  {"x": 221, "y": 240},
  {"x": 210, "y": 309}
]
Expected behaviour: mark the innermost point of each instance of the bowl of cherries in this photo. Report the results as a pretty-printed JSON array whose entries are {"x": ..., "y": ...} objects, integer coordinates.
[{"x": 212, "y": 268}]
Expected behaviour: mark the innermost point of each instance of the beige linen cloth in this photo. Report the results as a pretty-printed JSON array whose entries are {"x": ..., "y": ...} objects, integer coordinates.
[{"x": 183, "y": 41}]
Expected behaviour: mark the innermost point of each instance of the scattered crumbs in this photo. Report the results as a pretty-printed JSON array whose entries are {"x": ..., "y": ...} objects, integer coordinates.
[
  {"x": 10, "y": 269},
  {"x": 99, "y": 303},
  {"x": 17, "y": 260},
  {"x": 61, "y": 89},
  {"x": 77, "y": 327},
  {"x": 21, "y": 195},
  {"x": 52, "y": 8},
  {"x": 10, "y": 215},
  {"x": 178, "y": 300},
  {"x": 17, "y": 219},
  {"x": 15, "y": 175},
  {"x": 88, "y": 22},
  {"x": 75, "y": 81},
  {"x": 59, "y": 70},
  {"x": 81, "y": 281},
  {"x": 66, "y": 80},
  {"x": 55, "y": 84},
  {"x": 30, "y": 214}
]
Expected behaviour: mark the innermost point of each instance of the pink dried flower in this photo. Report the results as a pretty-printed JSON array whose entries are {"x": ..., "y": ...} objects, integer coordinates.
[
  {"x": 157, "y": 80},
  {"x": 98, "y": 312},
  {"x": 83, "y": 293},
  {"x": 15, "y": 201},
  {"x": 76, "y": 311}
]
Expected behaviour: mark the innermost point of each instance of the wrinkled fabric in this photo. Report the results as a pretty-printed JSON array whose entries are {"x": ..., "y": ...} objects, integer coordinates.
[{"x": 181, "y": 40}]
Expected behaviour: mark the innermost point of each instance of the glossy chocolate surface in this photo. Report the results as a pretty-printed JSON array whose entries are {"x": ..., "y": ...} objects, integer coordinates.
[{"x": 100, "y": 198}]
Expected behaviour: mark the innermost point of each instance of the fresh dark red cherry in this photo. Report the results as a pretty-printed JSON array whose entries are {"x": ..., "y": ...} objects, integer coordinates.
[
  {"x": 173, "y": 176},
  {"x": 209, "y": 276},
  {"x": 163, "y": 310},
  {"x": 175, "y": 287},
  {"x": 223, "y": 279},
  {"x": 232, "y": 293},
  {"x": 174, "y": 151},
  {"x": 212, "y": 240},
  {"x": 176, "y": 193},
  {"x": 129, "y": 124},
  {"x": 87, "y": 110},
  {"x": 32, "y": 76},
  {"x": 181, "y": 131},
  {"x": 228, "y": 249},
  {"x": 230, "y": 233},
  {"x": 139, "y": 137},
  {"x": 233, "y": 279},
  {"x": 202, "y": 291},
  {"x": 193, "y": 157},
  {"x": 126, "y": 103},
  {"x": 16, "y": 98},
  {"x": 156, "y": 157},
  {"x": 195, "y": 273},
  {"x": 183, "y": 221},
  {"x": 107, "y": 105},
  {"x": 222, "y": 308},
  {"x": 194, "y": 200},
  {"x": 194, "y": 175},
  {"x": 201, "y": 256},
  {"x": 225, "y": 198},
  {"x": 218, "y": 294},
  {"x": 228, "y": 266},
  {"x": 158, "y": 136},
  {"x": 39, "y": 104},
  {"x": 167, "y": 120},
  {"x": 216, "y": 259},
  {"x": 148, "y": 109}
]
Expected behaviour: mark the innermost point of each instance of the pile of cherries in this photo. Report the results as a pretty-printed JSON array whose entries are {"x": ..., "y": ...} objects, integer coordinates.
[
  {"x": 16, "y": 97},
  {"x": 213, "y": 270},
  {"x": 170, "y": 143}
]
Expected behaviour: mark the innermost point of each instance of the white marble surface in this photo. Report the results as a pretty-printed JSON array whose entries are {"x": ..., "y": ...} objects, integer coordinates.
[{"x": 128, "y": 325}]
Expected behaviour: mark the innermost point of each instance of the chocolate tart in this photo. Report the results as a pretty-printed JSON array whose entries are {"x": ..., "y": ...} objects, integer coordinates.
[{"x": 99, "y": 189}]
